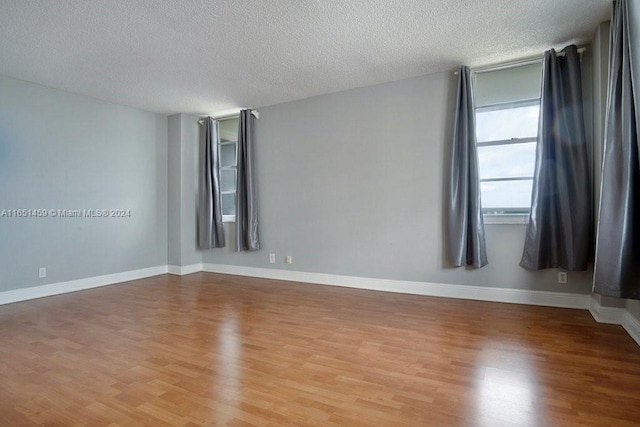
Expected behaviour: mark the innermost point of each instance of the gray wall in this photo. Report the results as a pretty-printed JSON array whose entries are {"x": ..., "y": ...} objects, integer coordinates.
[
  {"x": 351, "y": 183},
  {"x": 184, "y": 134},
  {"x": 63, "y": 151},
  {"x": 174, "y": 207}
]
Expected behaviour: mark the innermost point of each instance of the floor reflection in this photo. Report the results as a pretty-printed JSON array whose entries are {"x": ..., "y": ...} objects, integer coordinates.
[
  {"x": 228, "y": 368},
  {"x": 506, "y": 389}
]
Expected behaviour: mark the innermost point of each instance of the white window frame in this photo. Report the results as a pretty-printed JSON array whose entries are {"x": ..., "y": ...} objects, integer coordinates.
[
  {"x": 234, "y": 167},
  {"x": 503, "y": 215}
]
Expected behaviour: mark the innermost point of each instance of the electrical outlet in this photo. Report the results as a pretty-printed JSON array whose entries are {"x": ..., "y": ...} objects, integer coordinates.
[
  {"x": 289, "y": 259},
  {"x": 562, "y": 277},
  {"x": 42, "y": 272},
  {"x": 272, "y": 258}
]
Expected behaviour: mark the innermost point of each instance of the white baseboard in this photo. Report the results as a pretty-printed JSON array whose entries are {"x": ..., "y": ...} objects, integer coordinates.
[
  {"x": 611, "y": 315},
  {"x": 23, "y": 294},
  {"x": 187, "y": 269},
  {"x": 632, "y": 326},
  {"x": 616, "y": 316},
  {"x": 517, "y": 296}
]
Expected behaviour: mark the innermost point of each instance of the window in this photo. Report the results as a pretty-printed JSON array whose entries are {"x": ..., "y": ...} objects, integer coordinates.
[
  {"x": 507, "y": 136},
  {"x": 507, "y": 111},
  {"x": 228, "y": 150}
]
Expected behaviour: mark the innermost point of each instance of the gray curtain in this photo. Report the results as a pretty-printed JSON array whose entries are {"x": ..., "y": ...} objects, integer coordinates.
[
  {"x": 247, "y": 238},
  {"x": 617, "y": 265},
  {"x": 210, "y": 232},
  {"x": 560, "y": 227},
  {"x": 465, "y": 238}
]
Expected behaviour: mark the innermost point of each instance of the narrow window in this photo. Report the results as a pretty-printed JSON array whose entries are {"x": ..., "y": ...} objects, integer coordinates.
[
  {"x": 507, "y": 112},
  {"x": 228, "y": 149}
]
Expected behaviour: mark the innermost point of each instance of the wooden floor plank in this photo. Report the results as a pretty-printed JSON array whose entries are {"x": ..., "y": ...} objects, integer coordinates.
[{"x": 209, "y": 349}]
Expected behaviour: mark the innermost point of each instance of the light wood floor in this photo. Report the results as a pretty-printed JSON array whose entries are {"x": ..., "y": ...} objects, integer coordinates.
[{"x": 210, "y": 349}]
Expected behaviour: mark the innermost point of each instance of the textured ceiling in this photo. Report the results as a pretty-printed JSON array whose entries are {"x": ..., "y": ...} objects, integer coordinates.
[{"x": 207, "y": 57}]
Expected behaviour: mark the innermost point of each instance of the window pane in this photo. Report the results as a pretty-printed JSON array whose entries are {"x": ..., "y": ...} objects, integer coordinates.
[
  {"x": 507, "y": 123},
  {"x": 508, "y": 85},
  {"x": 506, "y": 194},
  {"x": 228, "y": 204},
  {"x": 228, "y": 129},
  {"x": 507, "y": 161},
  {"x": 227, "y": 155},
  {"x": 228, "y": 180}
]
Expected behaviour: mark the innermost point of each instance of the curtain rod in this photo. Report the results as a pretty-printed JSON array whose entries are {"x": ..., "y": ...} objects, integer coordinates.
[
  {"x": 516, "y": 63},
  {"x": 254, "y": 113}
]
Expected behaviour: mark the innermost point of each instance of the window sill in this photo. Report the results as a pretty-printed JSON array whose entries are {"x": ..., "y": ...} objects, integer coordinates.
[
  {"x": 495, "y": 219},
  {"x": 228, "y": 218}
]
